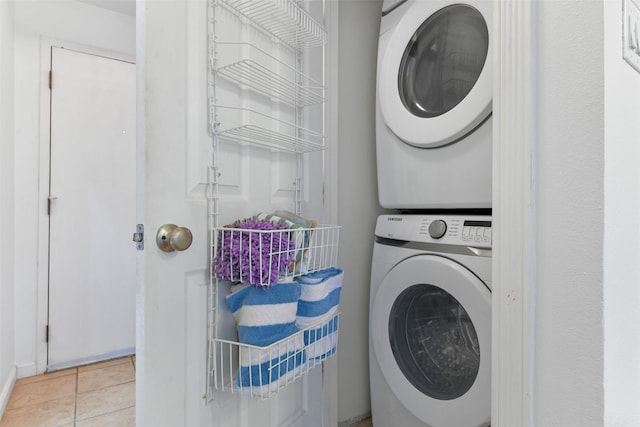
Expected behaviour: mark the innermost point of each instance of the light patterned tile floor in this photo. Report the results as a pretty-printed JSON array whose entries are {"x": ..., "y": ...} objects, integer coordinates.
[
  {"x": 98, "y": 395},
  {"x": 364, "y": 423}
]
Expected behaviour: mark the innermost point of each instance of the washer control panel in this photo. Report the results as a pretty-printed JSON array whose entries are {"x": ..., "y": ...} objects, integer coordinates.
[{"x": 445, "y": 229}]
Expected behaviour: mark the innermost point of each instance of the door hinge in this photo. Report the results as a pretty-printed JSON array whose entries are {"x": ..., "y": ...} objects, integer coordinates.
[
  {"x": 50, "y": 201},
  {"x": 138, "y": 237},
  {"x": 46, "y": 334},
  {"x": 50, "y": 79}
]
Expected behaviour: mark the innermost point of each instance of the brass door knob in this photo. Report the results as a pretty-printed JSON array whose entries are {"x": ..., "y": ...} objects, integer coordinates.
[{"x": 171, "y": 238}]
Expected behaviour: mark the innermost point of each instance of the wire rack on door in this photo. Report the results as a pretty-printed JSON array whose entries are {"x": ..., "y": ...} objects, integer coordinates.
[
  {"x": 263, "y": 371},
  {"x": 280, "y": 255}
]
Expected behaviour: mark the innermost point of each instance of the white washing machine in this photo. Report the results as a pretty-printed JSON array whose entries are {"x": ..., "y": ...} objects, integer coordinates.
[
  {"x": 430, "y": 321},
  {"x": 433, "y": 104}
]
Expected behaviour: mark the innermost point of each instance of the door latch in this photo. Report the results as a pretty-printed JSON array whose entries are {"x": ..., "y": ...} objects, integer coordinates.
[{"x": 138, "y": 237}]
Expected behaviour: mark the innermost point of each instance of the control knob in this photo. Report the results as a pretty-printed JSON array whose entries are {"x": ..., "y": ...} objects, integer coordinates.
[{"x": 437, "y": 228}]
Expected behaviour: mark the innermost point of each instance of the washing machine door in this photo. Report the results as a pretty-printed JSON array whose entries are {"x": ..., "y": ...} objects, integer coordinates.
[
  {"x": 431, "y": 333},
  {"x": 435, "y": 76}
]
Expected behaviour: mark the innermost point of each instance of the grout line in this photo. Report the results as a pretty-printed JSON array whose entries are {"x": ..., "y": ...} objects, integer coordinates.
[
  {"x": 75, "y": 398},
  {"x": 104, "y": 364},
  {"x": 112, "y": 411},
  {"x": 107, "y": 413}
]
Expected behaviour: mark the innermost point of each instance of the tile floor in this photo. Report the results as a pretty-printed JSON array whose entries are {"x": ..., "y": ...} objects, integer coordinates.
[
  {"x": 98, "y": 395},
  {"x": 364, "y": 423}
]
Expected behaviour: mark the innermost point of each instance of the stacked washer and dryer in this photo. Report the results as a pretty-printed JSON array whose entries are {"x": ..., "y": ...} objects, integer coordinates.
[{"x": 430, "y": 303}]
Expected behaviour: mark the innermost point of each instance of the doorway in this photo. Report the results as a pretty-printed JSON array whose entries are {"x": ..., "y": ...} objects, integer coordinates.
[{"x": 91, "y": 208}]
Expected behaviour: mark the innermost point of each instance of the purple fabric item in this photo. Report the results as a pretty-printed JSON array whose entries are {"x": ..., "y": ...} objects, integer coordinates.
[{"x": 251, "y": 257}]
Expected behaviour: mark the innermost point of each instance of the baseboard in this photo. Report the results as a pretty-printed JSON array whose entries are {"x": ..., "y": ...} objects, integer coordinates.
[
  {"x": 26, "y": 370},
  {"x": 7, "y": 388},
  {"x": 92, "y": 359}
]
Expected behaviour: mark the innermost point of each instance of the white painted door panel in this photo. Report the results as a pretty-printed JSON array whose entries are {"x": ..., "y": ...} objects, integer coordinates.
[
  {"x": 172, "y": 305},
  {"x": 92, "y": 259}
]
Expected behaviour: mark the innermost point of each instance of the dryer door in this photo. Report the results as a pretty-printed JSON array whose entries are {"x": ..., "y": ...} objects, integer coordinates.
[
  {"x": 435, "y": 77},
  {"x": 431, "y": 333}
]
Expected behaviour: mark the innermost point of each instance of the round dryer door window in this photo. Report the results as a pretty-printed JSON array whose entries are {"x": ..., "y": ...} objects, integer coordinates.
[
  {"x": 443, "y": 60},
  {"x": 435, "y": 78},
  {"x": 431, "y": 335}
]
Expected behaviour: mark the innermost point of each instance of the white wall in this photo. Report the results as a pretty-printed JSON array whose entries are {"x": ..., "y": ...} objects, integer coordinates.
[
  {"x": 622, "y": 227},
  {"x": 569, "y": 351},
  {"x": 7, "y": 177},
  {"x": 65, "y": 21},
  {"x": 359, "y": 23}
]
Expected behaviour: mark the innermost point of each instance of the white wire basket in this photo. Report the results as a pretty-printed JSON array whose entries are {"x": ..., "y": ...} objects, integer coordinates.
[
  {"x": 264, "y": 257},
  {"x": 263, "y": 371}
]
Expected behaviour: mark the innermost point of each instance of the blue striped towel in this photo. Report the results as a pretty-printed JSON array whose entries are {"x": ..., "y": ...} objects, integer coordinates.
[
  {"x": 265, "y": 370},
  {"x": 265, "y": 316},
  {"x": 321, "y": 342},
  {"x": 318, "y": 304}
]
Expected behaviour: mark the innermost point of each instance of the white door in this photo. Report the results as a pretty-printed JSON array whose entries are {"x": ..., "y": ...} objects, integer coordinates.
[
  {"x": 92, "y": 193},
  {"x": 172, "y": 304}
]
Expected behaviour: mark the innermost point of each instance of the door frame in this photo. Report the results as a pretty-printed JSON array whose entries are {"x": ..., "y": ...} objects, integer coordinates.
[
  {"x": 330, "y": 366},
  {"x": 43, "y": 186},
  {"x": 514, "y": 261}
]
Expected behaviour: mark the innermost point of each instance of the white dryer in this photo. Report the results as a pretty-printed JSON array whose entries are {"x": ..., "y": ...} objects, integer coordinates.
[
  {"x": 433, "y": 104},
  {"x": 430, "y": 321}
]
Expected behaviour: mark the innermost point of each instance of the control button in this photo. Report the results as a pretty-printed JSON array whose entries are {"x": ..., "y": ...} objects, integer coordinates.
[
  {"x": 469, "y": 235},
  {"x": 437, "y": 228},
  {"x": 465, "y": 234}
]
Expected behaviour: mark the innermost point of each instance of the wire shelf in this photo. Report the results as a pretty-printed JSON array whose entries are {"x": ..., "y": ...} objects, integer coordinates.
[
  {"x": 252, "y": 127},
  {"x": 264, "y": 257},
  {"x": 283, "y": 19},
  {"x": 270, "y": 139},
  {"x": 262, "y": 80},
  {"x": 263, "y": 371}
]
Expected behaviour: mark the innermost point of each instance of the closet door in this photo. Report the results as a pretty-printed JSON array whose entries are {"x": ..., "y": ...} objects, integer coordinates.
[{"x": 172, "y": 303}]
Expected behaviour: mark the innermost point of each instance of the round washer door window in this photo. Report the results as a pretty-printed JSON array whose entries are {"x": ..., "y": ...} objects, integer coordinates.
[
  {"x": 443, "y": 60},
  {"x": 434, "y": 342},
  {"x": 431, "y": 336}
]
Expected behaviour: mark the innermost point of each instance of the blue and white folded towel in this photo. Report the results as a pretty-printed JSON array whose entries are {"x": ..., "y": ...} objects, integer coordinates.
[
  {"x": 318, "y": 305},
  {"x": 321, "y": 342},
  {"x": 265, "y": 316},
  {"x": 265, "y": 370}
]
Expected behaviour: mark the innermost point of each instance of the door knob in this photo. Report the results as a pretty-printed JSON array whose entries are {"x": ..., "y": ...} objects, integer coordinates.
[{"x": 171, "y": 238}]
